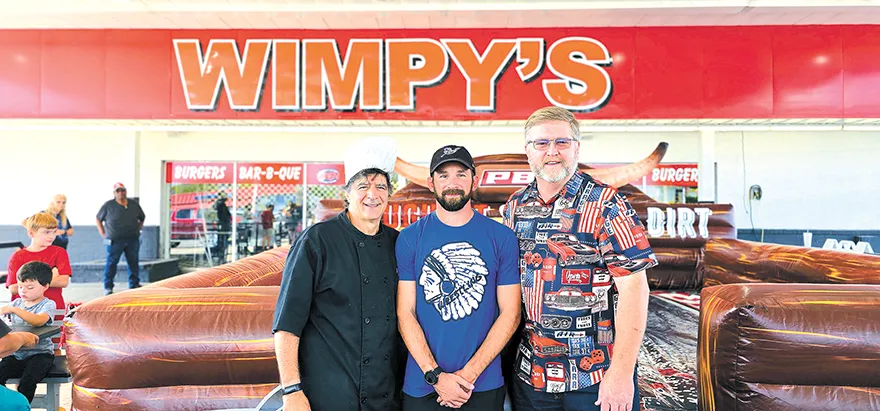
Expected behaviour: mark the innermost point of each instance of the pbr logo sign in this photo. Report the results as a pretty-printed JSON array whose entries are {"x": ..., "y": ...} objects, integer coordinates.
[
  {"x": 375, "y": 74},
  {"x": 506, "y": 178}
]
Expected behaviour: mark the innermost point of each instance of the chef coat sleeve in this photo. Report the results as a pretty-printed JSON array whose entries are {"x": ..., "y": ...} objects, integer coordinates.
[{"x": 301, "y": 269}]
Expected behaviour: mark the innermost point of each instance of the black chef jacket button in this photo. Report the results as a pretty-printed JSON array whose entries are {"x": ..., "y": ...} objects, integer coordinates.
[
  {"x": 385, "y": 395},
  {"x": 361, "y": 245},
  {"x": 387, "y": 318},
  {"x": 386, "y": 359},
  {"x": 366, "y": 280},
  {"x": 385, "y": 280},
  {"x": 363, "y": 400},
  {"x": 366, "y": 360},
  {"x": 367, "y": 320},
  {"x": 378, "y": 244}
]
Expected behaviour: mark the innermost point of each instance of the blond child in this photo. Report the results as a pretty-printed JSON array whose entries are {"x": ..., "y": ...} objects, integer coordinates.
[{"x": 41, "y": 228}]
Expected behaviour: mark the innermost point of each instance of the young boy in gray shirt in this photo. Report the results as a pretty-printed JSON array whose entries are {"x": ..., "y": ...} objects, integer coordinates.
[{"x": 35, "y": 310}]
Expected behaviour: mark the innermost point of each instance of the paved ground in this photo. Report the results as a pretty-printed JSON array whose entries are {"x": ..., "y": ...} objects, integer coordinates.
[{"x": 76, "y": 292}]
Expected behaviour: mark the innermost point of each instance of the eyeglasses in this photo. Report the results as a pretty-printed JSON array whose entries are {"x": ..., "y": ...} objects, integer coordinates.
[
  {"x": 120, "y": 190},
  {"x": 544, "y": 144}
]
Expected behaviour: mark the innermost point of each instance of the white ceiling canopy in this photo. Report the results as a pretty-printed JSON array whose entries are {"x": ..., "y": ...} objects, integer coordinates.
[
  {"x": 408, "y": 127},
  {"x": 391, "y": 14}
]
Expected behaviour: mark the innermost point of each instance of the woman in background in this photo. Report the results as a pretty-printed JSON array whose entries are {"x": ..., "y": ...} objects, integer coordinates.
[{"x": 58, "y": 208}]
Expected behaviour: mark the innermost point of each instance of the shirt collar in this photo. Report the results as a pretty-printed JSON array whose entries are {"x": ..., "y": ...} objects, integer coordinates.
[{"x": 568, "y": 191}]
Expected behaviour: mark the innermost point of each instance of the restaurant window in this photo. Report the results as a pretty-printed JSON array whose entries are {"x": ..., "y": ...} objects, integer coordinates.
[{"x": 270, "y": 205}]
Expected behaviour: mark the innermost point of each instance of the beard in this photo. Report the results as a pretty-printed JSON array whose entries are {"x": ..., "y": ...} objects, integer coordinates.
[
  {"x": 453, "y": 205},
  {"x": 551, "y": 176}
]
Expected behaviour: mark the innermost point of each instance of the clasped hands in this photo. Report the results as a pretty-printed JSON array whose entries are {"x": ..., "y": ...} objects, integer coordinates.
[{"x": 454, "y": 389}]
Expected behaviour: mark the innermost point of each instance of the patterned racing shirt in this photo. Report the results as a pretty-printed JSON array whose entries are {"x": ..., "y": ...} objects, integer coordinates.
[{"x": 571, "y": 249}]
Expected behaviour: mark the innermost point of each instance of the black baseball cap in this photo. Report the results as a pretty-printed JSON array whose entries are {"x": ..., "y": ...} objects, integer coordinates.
[{"x": 449, "y": 153}]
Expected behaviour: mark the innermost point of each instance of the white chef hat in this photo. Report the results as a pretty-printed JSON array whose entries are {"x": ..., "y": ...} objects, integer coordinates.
[{"x": 371, "y": 152}]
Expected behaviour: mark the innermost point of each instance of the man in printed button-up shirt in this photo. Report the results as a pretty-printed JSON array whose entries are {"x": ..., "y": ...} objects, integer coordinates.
[{"x": 583, "y": 256}]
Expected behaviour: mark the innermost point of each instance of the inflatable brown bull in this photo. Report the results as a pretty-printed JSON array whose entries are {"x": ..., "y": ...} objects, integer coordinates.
[
  {"x": 500, "y": 175},
  {"x": 203, "y": 341}
]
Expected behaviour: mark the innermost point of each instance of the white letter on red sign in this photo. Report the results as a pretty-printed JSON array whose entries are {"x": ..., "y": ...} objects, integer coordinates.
[
  {"x": 530, "y": 57},
  {"x": 412, "y": 63},
  {"x": 583, "y": 85},
  {"x": 492, "y": 177},
  {"x": 359, "y": 75},
  {"x": 522, "y": 177},
  {"x": 481, "y": 71},
  {"x": 285, "y": 75},
  {"x": 202, "y": 76}
]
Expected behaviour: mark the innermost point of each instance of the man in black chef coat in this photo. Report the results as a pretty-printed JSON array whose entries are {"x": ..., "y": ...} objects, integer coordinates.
[{"x": 335, "y": 327}]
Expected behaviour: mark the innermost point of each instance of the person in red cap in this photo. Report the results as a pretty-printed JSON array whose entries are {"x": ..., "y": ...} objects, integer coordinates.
[{"x": 120, "y": 222}]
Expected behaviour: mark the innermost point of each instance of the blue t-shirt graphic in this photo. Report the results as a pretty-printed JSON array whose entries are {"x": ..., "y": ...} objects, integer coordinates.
[{"x": 456, "y": 271}]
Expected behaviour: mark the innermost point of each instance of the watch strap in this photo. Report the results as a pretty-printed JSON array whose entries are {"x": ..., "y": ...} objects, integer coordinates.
[
  {"x": 435, "y": 374},
  {"x": 290, "y": 389}
]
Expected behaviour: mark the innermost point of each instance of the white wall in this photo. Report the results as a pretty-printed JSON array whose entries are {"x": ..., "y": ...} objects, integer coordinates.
[
  {"x": 36, "y": 165},
  {"x": 811, "y": 180}
]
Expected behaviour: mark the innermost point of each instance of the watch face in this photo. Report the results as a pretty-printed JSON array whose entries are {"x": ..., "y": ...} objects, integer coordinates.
[{"x": 431, "y": 378}]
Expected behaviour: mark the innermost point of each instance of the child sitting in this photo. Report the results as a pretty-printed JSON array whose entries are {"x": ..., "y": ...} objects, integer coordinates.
[
  {"x": 10, "y": 342},
  {"x": 41, "y": 228},
  {"x": 35, "y": 310}
]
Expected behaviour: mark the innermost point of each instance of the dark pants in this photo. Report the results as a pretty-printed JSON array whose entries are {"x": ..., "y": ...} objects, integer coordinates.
[
  {"x": 131, "y": 247},
  {"x": 31, "y": 370},
  {"x": 525, "y": 398},
  {"x": 492, "y": 400},
  {"x": 222, "y": 247}
]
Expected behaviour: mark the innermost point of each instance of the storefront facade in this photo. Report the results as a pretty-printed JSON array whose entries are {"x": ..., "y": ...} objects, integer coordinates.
[{"x": 789, "y": 109}]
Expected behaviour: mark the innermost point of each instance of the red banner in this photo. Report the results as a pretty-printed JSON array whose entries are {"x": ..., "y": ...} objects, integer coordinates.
[
  {"x": 198, "y": 173},
  {"x": 269, "y": 173},
  {"x": 454, "y": 74},
  {"x": 683, "y": 175},
  {"x": 326, "y": 174}
]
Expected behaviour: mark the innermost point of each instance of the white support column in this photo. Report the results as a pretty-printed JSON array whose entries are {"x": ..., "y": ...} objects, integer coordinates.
[
  {"x": 137, "y": 164},
  {"x": 706, "y": 166}
]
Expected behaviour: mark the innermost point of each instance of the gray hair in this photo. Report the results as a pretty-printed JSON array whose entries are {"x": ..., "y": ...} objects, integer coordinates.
[{"x": 365, "y": 173}]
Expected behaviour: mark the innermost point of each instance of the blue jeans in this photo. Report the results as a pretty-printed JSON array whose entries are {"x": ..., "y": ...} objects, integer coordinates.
[
  {"x": 525, "y": 398},
  {"x": 131, "y": 247}
]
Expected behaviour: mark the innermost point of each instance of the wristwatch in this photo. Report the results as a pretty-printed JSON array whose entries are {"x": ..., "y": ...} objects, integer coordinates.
[
  {"x": 290, "y": 389},
  {"x": 432, "y": 376}
]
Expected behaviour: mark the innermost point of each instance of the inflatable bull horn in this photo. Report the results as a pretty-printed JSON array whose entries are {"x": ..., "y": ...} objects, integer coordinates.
[{"x": 501, "y": 163}]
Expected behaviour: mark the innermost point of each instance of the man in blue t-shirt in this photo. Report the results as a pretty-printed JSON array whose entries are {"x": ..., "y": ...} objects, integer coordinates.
[{"x": 458, "y": 297}]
